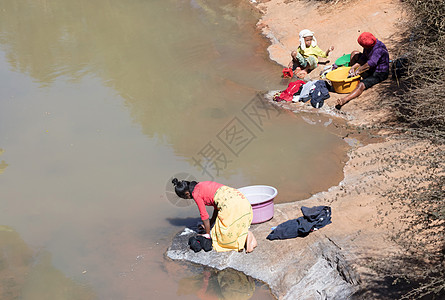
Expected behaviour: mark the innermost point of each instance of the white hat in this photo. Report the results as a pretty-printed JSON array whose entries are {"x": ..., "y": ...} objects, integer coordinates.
[{"x": 305, "y": 33}]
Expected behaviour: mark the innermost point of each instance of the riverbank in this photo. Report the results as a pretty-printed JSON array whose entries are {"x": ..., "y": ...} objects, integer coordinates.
[
  {"x": 340, "y": 260},
  {"x": 339, "y": 25}
]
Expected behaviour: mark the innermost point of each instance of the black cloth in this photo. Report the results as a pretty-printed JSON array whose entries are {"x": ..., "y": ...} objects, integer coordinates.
[
  {"x": 205, "y": 243},
  {"x": 194, "y": 244},
  {"x": 319, "y": 94},
  {"x": 197, "y": 243},
  {"x": 313, "y": 218}
]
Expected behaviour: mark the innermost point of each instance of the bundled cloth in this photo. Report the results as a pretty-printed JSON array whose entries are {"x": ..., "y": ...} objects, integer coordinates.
[
  {"x": 198, "y": 243},
  {"x": 287, "y": 73},
  {"x": 317, "y": 91},
  {"x": 293, "y": 88},
  {"x": 313, "y": 218}
]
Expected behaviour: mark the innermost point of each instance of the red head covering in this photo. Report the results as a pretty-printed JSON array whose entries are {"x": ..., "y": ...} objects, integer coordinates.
[{"x": 366, "y": 40}]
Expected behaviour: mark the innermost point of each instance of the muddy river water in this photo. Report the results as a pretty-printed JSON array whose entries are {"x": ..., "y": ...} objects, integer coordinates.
[{"x": 101, "y": 103}]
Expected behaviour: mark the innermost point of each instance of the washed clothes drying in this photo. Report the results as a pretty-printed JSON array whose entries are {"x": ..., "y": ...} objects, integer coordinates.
[
  {"x": 319, "y": 94},
  {"x": 313, "y": 218},
  {"x": 306, "y": 91},
  {"x": 292, "y": 89},
  {"x": 317, "y": 91}
]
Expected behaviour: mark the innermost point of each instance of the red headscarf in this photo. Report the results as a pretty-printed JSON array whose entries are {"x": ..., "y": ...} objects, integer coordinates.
[{"x": 367, "y": 40}]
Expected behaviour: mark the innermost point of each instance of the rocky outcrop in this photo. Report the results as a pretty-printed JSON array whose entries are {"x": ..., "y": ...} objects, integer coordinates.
[
  {"x": 319, "y": 271},
  {"x": 314, "y": 267}
]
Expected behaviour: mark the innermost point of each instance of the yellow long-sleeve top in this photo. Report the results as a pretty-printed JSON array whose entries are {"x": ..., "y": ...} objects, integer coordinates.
[{"x": 312, "y": 51}]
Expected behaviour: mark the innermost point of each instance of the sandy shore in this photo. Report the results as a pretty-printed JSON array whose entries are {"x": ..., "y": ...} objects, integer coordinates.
[{"x": 338, "y": 25}]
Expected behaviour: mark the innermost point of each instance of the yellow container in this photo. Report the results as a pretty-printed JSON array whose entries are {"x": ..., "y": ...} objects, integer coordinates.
[{"x": 340, "y": 81}]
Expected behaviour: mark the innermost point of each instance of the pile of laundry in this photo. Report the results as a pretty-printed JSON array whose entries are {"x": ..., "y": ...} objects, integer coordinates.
[
  {"x": 315, "y": 90},
  {"x": 313, "y": 219},
  {"x": 199, "y": 242}
]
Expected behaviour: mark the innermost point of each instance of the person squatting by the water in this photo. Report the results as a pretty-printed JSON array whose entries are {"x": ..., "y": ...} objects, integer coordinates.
[
  {"x": 372, "y": 64},
  {"x": 232, "y": 213},
  {"x": 305, "y": 59}
]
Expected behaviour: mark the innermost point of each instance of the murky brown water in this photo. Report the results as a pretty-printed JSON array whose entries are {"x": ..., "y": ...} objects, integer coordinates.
[{"x": 101, "y": 102}]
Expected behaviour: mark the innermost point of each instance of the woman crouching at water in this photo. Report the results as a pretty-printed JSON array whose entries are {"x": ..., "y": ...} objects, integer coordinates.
[{"x": 232, "y": 213}]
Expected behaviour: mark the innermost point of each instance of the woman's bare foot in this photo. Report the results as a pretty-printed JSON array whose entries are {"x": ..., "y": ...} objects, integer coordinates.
[
  {"x": 354, "y": 94},
  {"x": 251, "y": 242},
  {"x": 341, "y": 102}
]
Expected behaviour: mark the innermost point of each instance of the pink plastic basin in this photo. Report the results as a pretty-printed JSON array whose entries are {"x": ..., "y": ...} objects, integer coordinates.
[{"x": 261, "y": 198}]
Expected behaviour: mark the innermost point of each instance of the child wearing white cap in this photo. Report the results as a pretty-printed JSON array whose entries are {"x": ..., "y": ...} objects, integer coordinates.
[{"x": 305, "y": 58}]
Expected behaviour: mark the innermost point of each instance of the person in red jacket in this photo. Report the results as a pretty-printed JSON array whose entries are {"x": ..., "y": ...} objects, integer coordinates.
[{"x": 232, "y": 213}]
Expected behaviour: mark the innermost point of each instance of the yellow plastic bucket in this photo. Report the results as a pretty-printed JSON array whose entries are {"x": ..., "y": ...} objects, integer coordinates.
[{"x": 340, "y": 81}]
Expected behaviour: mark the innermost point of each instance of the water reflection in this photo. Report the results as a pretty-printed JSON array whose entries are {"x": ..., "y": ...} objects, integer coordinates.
[
  {"x": 154, "y": 54},
  {"x": 26, "y": 274},
  {"x": 181, "y": 71},
  {"x": 3, "y": 164},
  {"x": 103, "y": 100},
  {"x": 218, "y": 285}
]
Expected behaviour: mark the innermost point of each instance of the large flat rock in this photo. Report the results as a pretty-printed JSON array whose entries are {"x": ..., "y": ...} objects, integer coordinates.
[{"x": 313, "y": 267}]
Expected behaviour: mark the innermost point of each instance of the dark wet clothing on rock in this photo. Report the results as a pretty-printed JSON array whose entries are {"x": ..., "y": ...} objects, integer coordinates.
[
  {"x": 319, "y": 94},
  {"x": 197, "y": 243},
  {"x": 313, "y": 218}
]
